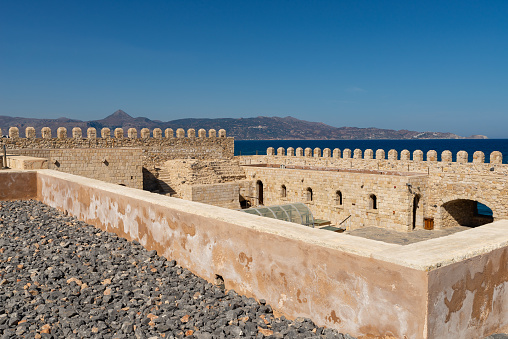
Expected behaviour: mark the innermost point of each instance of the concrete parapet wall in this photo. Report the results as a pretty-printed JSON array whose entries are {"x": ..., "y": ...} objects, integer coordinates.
[{"x": 370, "y": 289}]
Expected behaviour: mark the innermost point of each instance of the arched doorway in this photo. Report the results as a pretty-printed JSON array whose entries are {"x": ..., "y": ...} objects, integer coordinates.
[
  {"x": 259, "y": 192},
  {"x": 416, "y": 203},
  {"x": 465, "y": 212}
]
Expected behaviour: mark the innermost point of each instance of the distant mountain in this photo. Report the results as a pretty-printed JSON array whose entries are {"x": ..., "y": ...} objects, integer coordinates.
[{"x": 259, "y": 128}]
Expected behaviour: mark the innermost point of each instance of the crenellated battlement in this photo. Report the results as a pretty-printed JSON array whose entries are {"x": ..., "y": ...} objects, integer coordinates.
[
  {"x": 496, "y": 157},
  {"x": 118, "y": 133},
  {"x": 156, "y": 146}
]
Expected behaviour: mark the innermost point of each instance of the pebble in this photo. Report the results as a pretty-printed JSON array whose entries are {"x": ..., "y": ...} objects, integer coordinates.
[{"x": 62, "y": 278}]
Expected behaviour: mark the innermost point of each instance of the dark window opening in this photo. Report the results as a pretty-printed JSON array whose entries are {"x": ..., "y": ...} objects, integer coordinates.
[
  {"x": 309, "y": 194},
  {"x": 373, "y": 202},
  {"x": 338, "y": 198},
  {"x": 283, "y": 191}
]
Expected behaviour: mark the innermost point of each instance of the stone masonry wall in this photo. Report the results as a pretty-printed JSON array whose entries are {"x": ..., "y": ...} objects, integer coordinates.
[
  {"x": 446, "y": 180},
  {"x": 223, "y": 195},
  {"x": 118, "y": 166},
  {"x": 393, "y": 198},
  {"x": 156, "y": 147}
]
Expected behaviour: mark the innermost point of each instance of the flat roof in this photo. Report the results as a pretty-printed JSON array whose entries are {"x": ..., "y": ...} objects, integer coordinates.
[{"x": 336, "y": 169}]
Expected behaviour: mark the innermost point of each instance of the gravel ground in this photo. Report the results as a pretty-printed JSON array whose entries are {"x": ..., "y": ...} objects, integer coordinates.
[{"x": 62, "y": 278}]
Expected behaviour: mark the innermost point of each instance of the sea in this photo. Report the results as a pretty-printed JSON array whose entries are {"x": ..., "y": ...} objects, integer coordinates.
[{"x": 487, "y": 146}]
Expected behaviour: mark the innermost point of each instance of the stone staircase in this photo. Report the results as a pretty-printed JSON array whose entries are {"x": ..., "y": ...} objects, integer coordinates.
[
  {"x": 227, "y": 170},
  {"x": 165, "y": 182}
]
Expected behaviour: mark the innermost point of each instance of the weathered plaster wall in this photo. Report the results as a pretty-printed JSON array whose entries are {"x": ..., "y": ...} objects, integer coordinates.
[
  {"x": 393, "y": 198},
  {"x": 300, "y": 271},
  {"x": 449, "y": 287},
  {"x": 16, "y": 185},
  {"x": 470, "y": 299}
]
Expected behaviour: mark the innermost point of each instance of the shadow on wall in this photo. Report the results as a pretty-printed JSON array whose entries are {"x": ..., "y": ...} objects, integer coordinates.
[{"x": 464, "y": 212}]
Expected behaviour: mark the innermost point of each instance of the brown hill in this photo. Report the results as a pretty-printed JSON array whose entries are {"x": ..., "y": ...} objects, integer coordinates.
[{"x": 259, "y": 128}]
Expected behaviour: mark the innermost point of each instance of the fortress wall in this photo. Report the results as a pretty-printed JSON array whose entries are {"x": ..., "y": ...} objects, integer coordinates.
[
  {"x": 371, "y": 289},
  {"x": 394, "y": 200},
  {"x": 15, "y": 185},
  {"x": 157, "y": 149},
  {"x": 222, "y": 195},
  {"x": 470, "y": 292},
  {"x": 305, "y": 272},
  {"x": 391, "y": 161},
  {"x": 446, "y": 180},
  {"x": 118, "y": 166}
]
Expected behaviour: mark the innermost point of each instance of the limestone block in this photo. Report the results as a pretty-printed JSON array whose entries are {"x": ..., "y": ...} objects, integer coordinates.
[
  {"x": 77, "y": 133},
  {"x": 29, "y": 132},
  {"x": 380, "y": 154},
  {"x": 496, "y": 157},
  {"x": 14, "y": 132},
  {"x": 280, "y": 151},
  {"x": 168, "y": 133},
  {"x": 462, "y": 156},
  {"x": 290, "y": 152},
  {"x": 202, "y": 133},
  {"x": 405, "y": 155},
  {"x": 91, "y": 133},
  {"x": 61, "y": 133},
  {"x": 327, "y": 153},
  {"x": 222, "y": 133},
  {"x": 431, "y": 155},
  {"x": 106, "y": 133},
  {"x": 393, "y": 154},
  {"x": 145, "y": 133},
  {"x": 336, "y": 153},
  {"x": 299, "y": 152},
  {"x": 1, "y": 135},
  {"x": 191, "y": 133},
  {"x": 308, "y": 152},
  {"x": 368, "y": 154},
  {"x": 270, "y": 151},
  {"x": 479, "y": 157},
  {"x": 317, "y": 152},
  {"x": 357, "y": 153},
  {"x": 446, "y": 156},
  {"x": 119, "y": 133},
  {"x": 157, "y": 133},
  {"x": 46, "y": 133},
  {"x": 212, "y": 133},
  {"x": 180, "y": 133},
  {"x": 346, "y": 154},
  {"x": 418, "y": 155},
  {"x": 132, "y": 133}
]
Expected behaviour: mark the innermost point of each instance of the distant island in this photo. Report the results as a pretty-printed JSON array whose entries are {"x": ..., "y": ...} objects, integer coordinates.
[{"x": 259, "y": 128}]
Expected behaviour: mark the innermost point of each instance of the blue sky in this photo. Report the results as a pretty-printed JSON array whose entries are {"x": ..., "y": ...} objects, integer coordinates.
[{"x": 418, "y": 65}]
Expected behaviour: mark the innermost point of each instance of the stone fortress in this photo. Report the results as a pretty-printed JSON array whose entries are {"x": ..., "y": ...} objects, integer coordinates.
[
  {"x": 392, "y": 191},
  {"x": 351, "y": 189}
]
